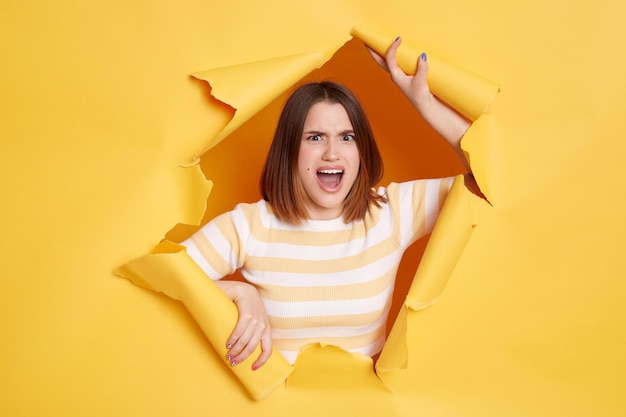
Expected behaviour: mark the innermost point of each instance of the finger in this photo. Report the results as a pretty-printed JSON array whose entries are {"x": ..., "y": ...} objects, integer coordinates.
[
  {"x": 247, "y": 350},
  {"x": 235, "y": 354},
  {"x": 390, "y": 58},
  {"x": 249, "y": 342},
  {"x": 238, "y": 341},
  {"x": 422, "y": 68},
  {"x": 266, "y": 352},
  {"x": 236, "y": 334}
]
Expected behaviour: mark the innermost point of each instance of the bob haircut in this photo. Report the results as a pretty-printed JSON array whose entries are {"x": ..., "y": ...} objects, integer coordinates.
[{"x": 280, "y": 184}]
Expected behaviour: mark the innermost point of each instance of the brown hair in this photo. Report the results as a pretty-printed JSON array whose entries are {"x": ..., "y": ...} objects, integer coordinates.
[{"x": 280, "y": 184}]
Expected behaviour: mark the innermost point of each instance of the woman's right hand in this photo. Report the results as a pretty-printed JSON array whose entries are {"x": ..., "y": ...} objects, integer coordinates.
[
  {"x": 447, "y": 122},
  {"x": 253, "y": 326},
  {"x": 414, "y": 87}
]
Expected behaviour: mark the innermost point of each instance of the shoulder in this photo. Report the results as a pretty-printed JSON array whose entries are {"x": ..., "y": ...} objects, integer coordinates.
[
  {"x": 249, "y": 208},
  {"x": 249, "y": 212},
  {"x": 255, "y": 217},
  {"x": 413, "y": 194}
]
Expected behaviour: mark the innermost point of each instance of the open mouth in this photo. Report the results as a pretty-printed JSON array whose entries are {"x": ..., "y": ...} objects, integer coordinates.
[{"x": 330, "y": 177}]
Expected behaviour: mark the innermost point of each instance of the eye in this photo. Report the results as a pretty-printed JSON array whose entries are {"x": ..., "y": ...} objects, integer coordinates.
[
  {"x": 347, "y": 138},
  {"x": 315, "y": 138}
]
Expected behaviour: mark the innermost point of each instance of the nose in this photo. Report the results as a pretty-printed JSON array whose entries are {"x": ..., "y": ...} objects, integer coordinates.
[{"x": 330, "y": 152}]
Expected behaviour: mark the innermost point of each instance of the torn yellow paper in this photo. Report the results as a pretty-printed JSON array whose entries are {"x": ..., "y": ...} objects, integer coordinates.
[
  {"x": 395, "y": 353},
  {"x": 350, "y": 371},
  {"x": 446, "y": 243},
  {"x": 480, "y": 144},
  {"x": 194, "y": 190},
  {"x": 445, "y": 247},
  {"x": 251, "y": 86},
  {"x": 176, "y": 275}
]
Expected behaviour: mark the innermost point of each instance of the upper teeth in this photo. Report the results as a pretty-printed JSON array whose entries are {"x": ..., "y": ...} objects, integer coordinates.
[{"x": 330, "y": 171}]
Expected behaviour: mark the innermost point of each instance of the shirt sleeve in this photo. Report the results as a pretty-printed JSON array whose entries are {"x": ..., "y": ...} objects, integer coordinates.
[
  {"x": 415, "y": 207},
  {"x": 217, "y": 247}
]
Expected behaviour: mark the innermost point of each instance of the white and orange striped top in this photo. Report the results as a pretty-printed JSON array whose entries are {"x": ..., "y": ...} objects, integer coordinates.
[{"x": 322, "y": 280}]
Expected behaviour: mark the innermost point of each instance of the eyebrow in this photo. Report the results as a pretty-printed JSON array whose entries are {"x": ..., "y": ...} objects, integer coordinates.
[{"x": 320, "y": 132}]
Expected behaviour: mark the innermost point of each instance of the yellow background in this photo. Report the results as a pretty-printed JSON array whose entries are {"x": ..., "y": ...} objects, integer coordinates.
[{"x": 99, "y": 113}]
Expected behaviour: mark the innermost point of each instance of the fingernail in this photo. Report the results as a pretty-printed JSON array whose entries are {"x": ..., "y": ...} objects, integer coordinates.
[
  {"x": 233, "y": 363},
  {"x": 397, "y": 38},
  {"x": 255, "y": 367},
  {"x": 424, "y": 56},
  {"x": 229, "y": 345},
  {"x": 228, "y": 357}
]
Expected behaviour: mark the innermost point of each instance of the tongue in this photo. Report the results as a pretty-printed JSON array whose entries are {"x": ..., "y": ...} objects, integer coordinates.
[{"x": 329, "y": 179}]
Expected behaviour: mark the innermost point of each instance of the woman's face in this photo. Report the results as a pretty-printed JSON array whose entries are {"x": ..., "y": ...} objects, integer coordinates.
[{"x": 328, "y": 161}]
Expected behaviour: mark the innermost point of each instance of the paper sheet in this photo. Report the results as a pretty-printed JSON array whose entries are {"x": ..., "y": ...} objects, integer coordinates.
[{"x": 100, "y": 113}]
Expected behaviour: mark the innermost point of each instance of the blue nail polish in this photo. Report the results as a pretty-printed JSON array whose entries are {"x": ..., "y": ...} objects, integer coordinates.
[{"x": 423, "y": 56}]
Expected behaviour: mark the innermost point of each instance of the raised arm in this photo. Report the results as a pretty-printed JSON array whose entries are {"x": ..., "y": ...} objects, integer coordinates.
[{"x": 445, "y": 120}]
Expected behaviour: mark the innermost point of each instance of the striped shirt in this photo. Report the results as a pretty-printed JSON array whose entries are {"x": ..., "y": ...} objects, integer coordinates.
[{"x": 322, "y": 280}]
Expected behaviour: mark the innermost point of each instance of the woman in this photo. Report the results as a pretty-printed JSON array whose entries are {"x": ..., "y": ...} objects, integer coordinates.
[{"x": 321, "y": 250}]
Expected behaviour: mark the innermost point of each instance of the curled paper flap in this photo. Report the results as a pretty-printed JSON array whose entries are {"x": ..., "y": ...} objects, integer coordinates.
[
  {"x": 194, "y": 189},
  {"x": 445, "y": 246},
  {"x": 327, "y": 367},
  {"x": 468, "y": 93},
  {"x": 176, "y": 275},
  {"x": 395, "y": 353},
  {"x": 251, "y": 86},
  {"x": 481, "y": 142}
]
